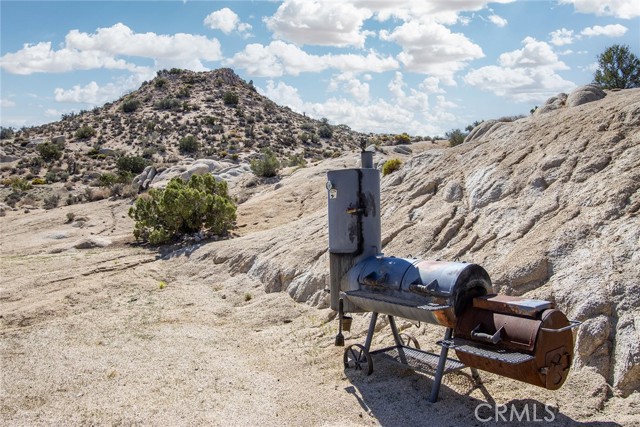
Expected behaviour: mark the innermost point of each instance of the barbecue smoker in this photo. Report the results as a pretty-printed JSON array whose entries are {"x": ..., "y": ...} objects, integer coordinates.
[{"x": 524, "y": 339}]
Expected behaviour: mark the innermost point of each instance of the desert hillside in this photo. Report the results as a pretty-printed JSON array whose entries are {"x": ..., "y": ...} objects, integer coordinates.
[{"x": 98, "y": 330}]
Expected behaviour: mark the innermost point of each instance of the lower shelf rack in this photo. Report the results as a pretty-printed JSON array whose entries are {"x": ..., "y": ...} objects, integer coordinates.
[{"x": 418, "y": 360}]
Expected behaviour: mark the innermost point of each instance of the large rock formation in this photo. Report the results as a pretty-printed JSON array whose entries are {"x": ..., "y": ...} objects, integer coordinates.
[{"x": 549, "y": 205}]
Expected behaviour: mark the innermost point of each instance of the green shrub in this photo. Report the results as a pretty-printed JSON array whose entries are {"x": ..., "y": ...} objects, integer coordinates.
[
  {"x": 38, "y": 181},
  {"x": 130, "y": 105},
  {"x": 6, "y": 133},
  {"x": 18, "y": 184},
  {"x": 324, "y": 131},
  {"x": 267, "y": 166},
  {"x": 230, "y": 98},
  {"x": 49, "y": 152},
  {"x": 168, "y": 103},
  {"x": 189, "y": 144},
  {"x": 391, "y": 166},
  {"x": 455, "y": 137},
  {"x": 85, "y": 132},
  {"x": 161, "y": 83},
  {"x": 202, "y": 204},
  {"x": 51, "y": 201},
  {"x": 402, "y": 138},
  {"x": 133, "y": 164}
]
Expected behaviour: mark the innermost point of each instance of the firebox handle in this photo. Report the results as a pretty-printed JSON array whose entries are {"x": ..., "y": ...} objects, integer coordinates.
[
  {"x": 488, "y": 338},
  {"x": 572, "y": 324}
]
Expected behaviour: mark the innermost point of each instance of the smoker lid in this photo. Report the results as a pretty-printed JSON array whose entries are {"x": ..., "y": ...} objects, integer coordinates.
[{"x": 512, "y": 305}]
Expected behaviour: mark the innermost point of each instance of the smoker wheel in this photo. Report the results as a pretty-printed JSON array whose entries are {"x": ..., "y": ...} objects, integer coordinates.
[
  {"x": 357, "y": 357},
  {"x": 409, "y": 340}
]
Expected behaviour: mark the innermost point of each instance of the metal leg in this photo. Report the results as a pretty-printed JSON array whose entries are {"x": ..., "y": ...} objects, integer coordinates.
[
  {"x": 394, "y": 330},
  {"x": 440, "y": 369},
  {"x": 396, "y": 337},
  {"x": 372, "y": 326},
  {"x": 476, "y": 376}
]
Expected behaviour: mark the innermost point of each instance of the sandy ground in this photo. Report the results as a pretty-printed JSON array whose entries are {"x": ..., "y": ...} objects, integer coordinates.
[{"x": 128, "y": 335}]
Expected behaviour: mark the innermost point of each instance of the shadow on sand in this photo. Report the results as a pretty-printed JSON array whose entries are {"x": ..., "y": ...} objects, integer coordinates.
[{"x": 398, "y": 396}]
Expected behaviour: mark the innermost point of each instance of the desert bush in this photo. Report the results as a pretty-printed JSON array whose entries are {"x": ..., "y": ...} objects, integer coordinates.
[
  {"x": 85, "y": 132},
  {"x": 130, "y": 105},
  {"x": 39, "y": 181},
  {"x": 49, "y": 152},
  {"x": 324, "y": 131},
  {"x": 161, "y": 83},
  {"x": 13, "y": 198},
  {"x": 201, "y": 204},
  {"x": 391, "y": 166},
  {"x": 133, "y": 164},
  {"x": 297, "y": 160},
  {"x": 402, "y": 138},
  {"x": 51, "y": 202},
  {"x": 6, "y": 133},
  {"x": 230, "y": 98},
  {"x": 95, "y": 194},
  {"x": 168, "y": 103},
  {"x": 183, "y": 92},
  {"x": 17, "y": 184},
  {"x": 267, "y": 165},
  {"x": 455, "y": 137},
  {"x": 189, "y": 144}
]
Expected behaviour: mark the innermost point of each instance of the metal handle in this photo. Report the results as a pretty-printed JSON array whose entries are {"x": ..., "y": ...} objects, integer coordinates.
[
  {"x": 572, "y": 324},
  {"x": 484, "y": 337}
]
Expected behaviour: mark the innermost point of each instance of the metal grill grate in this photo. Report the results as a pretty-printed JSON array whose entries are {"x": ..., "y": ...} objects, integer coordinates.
[
  {"x": 498, "y": 354},
  {"x": 416, "y": 359}
]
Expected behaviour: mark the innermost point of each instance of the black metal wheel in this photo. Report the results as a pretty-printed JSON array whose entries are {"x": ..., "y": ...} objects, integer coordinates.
[
  {"x": 409, "y": 340},
  {"x": 357, "y": 357}
]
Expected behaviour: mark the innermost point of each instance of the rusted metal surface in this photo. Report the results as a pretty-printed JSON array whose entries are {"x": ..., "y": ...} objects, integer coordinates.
[
  {"x": 547, "y": 338},
  {"x": 512, "y": 305}
]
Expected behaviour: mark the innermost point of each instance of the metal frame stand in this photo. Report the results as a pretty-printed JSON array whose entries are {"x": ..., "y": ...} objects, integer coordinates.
[{"x": 414, "y": 358}]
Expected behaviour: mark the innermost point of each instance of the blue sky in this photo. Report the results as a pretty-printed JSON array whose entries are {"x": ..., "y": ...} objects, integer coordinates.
[{"x": 422, "y": 67}]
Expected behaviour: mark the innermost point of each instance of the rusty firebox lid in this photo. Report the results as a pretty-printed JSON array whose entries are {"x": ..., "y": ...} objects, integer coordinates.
[{"x": 512, "y": 305}]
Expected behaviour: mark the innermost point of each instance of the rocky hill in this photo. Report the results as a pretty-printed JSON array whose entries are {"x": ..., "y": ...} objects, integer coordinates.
[
  {"x": 222, "y": 118},
  {"x": 97, "y": 330}
]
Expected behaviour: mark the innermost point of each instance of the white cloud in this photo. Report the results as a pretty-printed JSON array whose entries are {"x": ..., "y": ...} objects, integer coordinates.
[
  {"x": 121, "y": 40},
  {"x": 226, "y": 21},
  {"x": 408, "y": 111},
  {"x": 441, "y": 11},
  {"x": 561, "y": 37},
  {"x": 348, "y": 83},
  {"x": 523, "y": 75},
  {"x": 616, "y": 30},
  {"x": 431, "y": 85},
  {"x": 534, "y": 54},
  {"x": 590, "y": 68},
  {"x": 498, "y": 20},
  {"x": 7, "y": 103},
  {"x": 40, "y": 58},
  {"x": 318, "y": 22},
  {"x": 433, "y": 49},
  {"x": 279, "y": 58},
  {"x": 625, "y": 9},
  {"x": 94, "y": 94},
  {"x": 83, "y": 51}
]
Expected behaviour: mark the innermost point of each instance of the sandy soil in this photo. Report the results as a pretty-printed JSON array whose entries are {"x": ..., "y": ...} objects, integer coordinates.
[{"x": 128, "y": 335}]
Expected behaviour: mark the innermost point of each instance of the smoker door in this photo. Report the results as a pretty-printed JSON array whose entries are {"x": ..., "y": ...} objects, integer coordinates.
[{"x": 343, "y": 198}]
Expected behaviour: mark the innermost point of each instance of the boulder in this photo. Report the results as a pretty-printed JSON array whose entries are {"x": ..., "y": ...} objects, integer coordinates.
[
  {"x": 584, "y": 94},
  {"x": 552, "y": 103}
]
